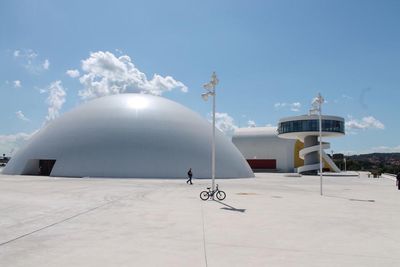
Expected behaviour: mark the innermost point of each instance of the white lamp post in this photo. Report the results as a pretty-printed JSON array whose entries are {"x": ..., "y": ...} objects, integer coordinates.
[
  {"x": 316, "y": 107},
  {"x": 210, "y": 88},
  {"x": 318, "y": 101}
]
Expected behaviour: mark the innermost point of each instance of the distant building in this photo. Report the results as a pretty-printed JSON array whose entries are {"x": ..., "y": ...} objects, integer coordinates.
[
  {"x": 293, "y": 146},
  {"x": 265, "y": 151}
]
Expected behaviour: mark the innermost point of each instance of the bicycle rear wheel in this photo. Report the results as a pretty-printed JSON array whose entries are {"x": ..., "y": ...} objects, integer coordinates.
[
  {"x": 204, "y": 195},
  {"x": 221, "y": 195}
]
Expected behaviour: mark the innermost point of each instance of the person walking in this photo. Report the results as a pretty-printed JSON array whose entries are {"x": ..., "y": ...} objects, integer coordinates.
[
  {"x": 190, "y": 175},
  {"x": 398, "y": 181}
]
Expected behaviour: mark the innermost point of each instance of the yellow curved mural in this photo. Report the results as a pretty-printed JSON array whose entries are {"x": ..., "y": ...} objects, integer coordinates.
[{"x": 298, "y": 162}]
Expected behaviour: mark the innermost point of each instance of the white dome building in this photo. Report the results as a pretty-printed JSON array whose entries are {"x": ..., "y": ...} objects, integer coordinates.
[{"x": 128, "y": 135}]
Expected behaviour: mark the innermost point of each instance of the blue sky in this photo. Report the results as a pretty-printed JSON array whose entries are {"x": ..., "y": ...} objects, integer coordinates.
[{"x": 272, "y": 58}]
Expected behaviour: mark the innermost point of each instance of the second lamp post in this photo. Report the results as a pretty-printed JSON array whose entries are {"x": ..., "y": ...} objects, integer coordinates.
[{"x": 210, "y": 88}]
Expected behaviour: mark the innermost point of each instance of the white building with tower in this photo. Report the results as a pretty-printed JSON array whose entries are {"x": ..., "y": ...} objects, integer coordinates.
[
  {"x": 292, "y": 146},
  {"x": 306, "y": 129}
]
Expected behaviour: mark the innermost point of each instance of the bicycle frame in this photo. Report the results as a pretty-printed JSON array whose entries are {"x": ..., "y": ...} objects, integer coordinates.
[{"x": 211, "y": 193}]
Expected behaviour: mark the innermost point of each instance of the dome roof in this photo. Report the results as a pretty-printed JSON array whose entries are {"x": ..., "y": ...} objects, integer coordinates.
[{"x": 129, "y": 135}]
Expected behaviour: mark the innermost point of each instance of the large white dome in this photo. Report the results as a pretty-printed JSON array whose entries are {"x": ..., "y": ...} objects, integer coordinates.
[{"x": 129, "y": 135}]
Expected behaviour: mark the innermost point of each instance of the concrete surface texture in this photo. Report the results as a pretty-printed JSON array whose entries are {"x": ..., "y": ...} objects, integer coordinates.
[{"x": 270, "y": 220}]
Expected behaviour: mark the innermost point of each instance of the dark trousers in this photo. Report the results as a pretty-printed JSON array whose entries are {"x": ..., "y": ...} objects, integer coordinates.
[
  {"x": 398, "y": 185},
  {"x": 189, "y": 181}
]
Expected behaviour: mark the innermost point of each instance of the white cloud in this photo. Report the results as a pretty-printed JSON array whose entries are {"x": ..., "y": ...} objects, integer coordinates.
[
  {"x": 55, "y": 100},
  {"x": 251, "y": 123},
  {"x": 225, "y": 123},
  {"x": 26, "y": 53},
  {"x": 73, "y": 73},
  {"x": 279, "y": 105},
  {"x": 21, "y": 115},
  {"x": 17, "y": 84},
  {"x": 30, "y": 54},
  {"x": 46, "y": 64},
  {"x": 106, "y": 74},
  {"x": 9, "y": 143},
  {"x": 295, "y": 106},
  {"x": 365, "y": 123},
  {"x": 29, "y": 60}
]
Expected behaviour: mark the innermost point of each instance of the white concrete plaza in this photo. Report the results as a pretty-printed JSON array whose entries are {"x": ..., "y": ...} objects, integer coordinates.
[{"x": 270, "y": 220}]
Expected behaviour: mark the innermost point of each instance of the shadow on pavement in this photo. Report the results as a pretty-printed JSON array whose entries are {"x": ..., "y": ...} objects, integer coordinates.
[
  {"x": 229, "y": 207},
  {"x": 352, "y": 199}
]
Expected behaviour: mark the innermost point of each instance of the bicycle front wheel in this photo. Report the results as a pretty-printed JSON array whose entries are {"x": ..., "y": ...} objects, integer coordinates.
[
  {"x": 221, "y": 195},
  {"x": 204, "y": 195}
]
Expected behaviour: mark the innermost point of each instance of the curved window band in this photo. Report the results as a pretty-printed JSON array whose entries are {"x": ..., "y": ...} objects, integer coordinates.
[{"x": 311, "y": 126}]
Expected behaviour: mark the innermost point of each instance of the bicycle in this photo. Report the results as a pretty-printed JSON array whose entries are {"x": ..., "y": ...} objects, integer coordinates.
[{"x": 205, "y": 195}]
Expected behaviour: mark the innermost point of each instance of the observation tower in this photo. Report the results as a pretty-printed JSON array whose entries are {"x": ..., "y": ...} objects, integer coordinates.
[{"x": 306, "y": 129}]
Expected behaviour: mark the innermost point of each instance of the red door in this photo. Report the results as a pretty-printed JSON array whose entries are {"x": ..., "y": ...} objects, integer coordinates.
[{"x": 262, "y": 163}]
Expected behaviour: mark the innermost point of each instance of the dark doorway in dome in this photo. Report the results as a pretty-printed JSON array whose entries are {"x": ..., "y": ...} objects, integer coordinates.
[{"x": 45, "y": 166}]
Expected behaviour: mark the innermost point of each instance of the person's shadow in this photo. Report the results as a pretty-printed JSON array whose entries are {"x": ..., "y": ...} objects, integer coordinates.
[{"x": 229, "y": 207}]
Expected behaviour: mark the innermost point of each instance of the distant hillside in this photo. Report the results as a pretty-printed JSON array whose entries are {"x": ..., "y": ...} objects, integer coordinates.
[{"x": 374, "y": 162}]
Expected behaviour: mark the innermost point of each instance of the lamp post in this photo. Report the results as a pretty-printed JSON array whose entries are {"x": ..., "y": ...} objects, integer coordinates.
[
  {"x": 210, "y": 88},
  {"x": 319, "y": 100},
  {"x": 316, "y": 107}
]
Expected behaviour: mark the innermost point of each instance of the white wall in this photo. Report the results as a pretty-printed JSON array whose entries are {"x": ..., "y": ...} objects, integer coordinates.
[{"x": 263, "y": 143}]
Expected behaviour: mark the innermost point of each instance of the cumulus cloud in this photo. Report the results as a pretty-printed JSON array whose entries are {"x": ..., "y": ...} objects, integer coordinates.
[
  {"x": 106, "y": 74},
  {"x": 225, "y": 123},
  {"x": 21, "y": 116},
  {"x": 55, "y": 100},
  {"x": 9, "y": 143},
  {"x": 365, "y": 123},
  {"x": 17, "y": 84},
  {"x": 46, "y": 64},
  {"x": 73, "y": 73},
  {"x": 251, "y": 124},
  {"x": 295, "y": 106}
]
